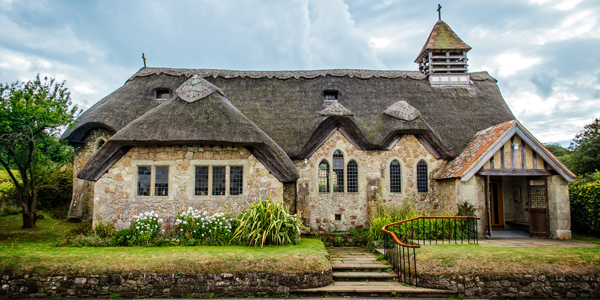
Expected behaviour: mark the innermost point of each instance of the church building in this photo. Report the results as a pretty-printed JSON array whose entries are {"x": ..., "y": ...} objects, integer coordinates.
[{"x": 331, "y": 144}]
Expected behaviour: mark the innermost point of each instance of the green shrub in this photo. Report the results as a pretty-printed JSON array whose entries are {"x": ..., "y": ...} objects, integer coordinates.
[
  {"x": 122, "y": 237},
  {"x": 267, "y": 223},
  {"x": 391, "y": 213},
  {"x": 466, "y": 209},
  {"x": 104, "y": 230},
  {"x": 585, "y": 203},
  {"x": 9, "y": 209},
  {"x": 198, "y": 227}
]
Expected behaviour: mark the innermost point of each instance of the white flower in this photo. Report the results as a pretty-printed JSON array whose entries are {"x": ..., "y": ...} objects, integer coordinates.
[{"x": 181, "y": 229}]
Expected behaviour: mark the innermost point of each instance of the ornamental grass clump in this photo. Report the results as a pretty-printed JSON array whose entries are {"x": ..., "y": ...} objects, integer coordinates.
[
  {"x": 267, "y": 223},
  {"x": 144, "y": 228},
  {"x": 196, "y": 227}
]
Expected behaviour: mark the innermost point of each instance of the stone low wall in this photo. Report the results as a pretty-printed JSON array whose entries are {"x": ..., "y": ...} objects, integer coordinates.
[
  {"x": 516, "y": 286},
  {"x": 157, "y": 285}
]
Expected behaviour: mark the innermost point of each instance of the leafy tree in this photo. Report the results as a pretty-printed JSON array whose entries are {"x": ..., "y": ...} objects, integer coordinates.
[
  {"x": 31, "y": 117},
  {"x": 562, "y": 153},
  {"x": 585, "y": 147}
]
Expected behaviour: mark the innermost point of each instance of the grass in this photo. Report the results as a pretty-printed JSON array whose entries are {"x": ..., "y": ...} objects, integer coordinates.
[
  {"x": 590, "y": 238},
  {"x": 476, "y": 260},
  {"x": 33, "y": 251}
]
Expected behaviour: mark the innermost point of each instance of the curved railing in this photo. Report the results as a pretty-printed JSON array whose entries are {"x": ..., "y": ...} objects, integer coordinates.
[{"x": 406, "y": 236}]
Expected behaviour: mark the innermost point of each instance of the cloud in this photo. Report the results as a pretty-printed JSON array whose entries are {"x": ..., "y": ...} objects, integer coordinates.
[{"x": 541, "y": 51}]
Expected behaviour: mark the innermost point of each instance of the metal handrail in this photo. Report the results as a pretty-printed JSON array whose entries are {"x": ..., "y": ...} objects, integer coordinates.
[{"x": 402, "y": 260}]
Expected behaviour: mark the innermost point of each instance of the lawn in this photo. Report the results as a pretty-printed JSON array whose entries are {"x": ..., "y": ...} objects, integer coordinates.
[
  {"x": 33, "y": 251},
  {"x": 476, "y": 260}
]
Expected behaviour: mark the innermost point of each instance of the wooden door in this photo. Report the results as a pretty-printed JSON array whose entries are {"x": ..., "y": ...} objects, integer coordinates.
[
  {"x": 497, "y": 204},
  {"x": 538, "y": 206}
]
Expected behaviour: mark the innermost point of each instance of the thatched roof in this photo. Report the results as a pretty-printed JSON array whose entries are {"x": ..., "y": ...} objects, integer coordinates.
[
  {"x": 336, "y": 109},
  {"x": 442, "y": 37},
  {"x": 286, "y": 106},
  {"x": 198, "y": 113}
]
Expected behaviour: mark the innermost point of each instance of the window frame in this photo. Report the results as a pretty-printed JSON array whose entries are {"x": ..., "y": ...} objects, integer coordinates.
[
  {"x": 348, "y": 177},
  {"x": 426, "y": 175},
  {"x": 390, "y": 176},
  {"x": 152, "y": 164},
  {"x": 327, "y": 176},
  {"x": 335, "y": 181},
  {"x": 191, "y": 192}
]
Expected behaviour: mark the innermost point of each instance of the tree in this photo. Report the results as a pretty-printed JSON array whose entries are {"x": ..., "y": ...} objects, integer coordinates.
[
  {"x": 585, "y": 147},
  {"x": 31, "y": 117}
]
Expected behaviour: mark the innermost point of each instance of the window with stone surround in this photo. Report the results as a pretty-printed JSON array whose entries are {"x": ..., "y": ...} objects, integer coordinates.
[
  {"x": 236, "y": 180},
  {"x": 214, "y": 178},
  {"x": 395, "y": 177},
  {"x": 201, "y": 181},
  {"x": 338, "y": 172},
  {"x": 352, "y": 168},
  {"x": 422, "y": 177},
  {"x": 143, "y": 180},
  {"x": 218, "y": 181},
  {"x": 324, "y": 177},
  {"x": 161, "y": 181}
]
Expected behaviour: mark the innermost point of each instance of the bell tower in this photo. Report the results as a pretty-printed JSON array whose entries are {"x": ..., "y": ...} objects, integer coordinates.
[{"x": 444, "y": 56}]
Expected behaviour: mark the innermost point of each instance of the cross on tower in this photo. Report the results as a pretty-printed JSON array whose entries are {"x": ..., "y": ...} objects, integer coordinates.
[
  {"x": 439, "y": 10},
  {"x": 144, "y": 58}
]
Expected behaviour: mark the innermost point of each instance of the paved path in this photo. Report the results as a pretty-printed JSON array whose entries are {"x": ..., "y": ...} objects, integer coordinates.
[
  {"x": 357, "y": 271},
  {"x": 532, "y": 242}
]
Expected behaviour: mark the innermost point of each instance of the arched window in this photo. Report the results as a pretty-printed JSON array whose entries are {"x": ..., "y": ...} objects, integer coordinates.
[
  {"x": 352, "y": 177},
  {"x": 338, "y": 172},
  {"x": 324, "y": 177},
  {"x": 422, "y": 177},
  {"x": 395, "y": 177}
]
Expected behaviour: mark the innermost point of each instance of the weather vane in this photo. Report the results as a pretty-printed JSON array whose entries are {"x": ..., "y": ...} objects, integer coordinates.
[
  {"x": 439, "y": 12},
  {"x": 144, "y": 58}
]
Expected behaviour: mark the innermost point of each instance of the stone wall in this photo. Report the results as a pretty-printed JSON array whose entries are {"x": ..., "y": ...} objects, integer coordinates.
[
  {"x": 515, "y": 286},
  {"x": 81, "y": 187},
  {"x": 157, "y": 285},
  {"x": 318, "y": 210},
  {"x": 116, "y": 199},
  {"x": 559, "y": 208}
]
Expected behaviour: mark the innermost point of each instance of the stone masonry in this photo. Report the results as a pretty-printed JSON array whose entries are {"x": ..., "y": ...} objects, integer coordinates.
[
  {"x": 80, "y": 157},
  {"x": 115, "y": 194},
  {"x": 157, "y": 285},
  {"x": 319, "y": 209}
]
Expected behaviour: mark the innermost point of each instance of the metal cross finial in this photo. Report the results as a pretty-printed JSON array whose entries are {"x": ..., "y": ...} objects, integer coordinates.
[
  {"x": 439, "y": 12},
  {"x": 144, "y": 58}
]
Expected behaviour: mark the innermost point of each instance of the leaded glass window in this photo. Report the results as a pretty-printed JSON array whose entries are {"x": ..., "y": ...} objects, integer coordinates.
[
  {"x": 338, "y": 172},
  {"x": 218, "y": 181},
  {"x": 161, "y": 181},
  {"x": 236, "y": 180},
  {"x": 395, "y": 177},
  {"x": 201, "y": 182},
  {"x": 352, "y": 177},
  {"x": 324, "y": 177},
  {"x": 144, "y": 181},
  {"x": 422, "y": 177}
]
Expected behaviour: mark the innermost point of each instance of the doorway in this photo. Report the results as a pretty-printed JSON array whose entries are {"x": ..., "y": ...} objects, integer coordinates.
[
  {"x": 538, "y": 206},
  {"x": 497, "y": 203}
]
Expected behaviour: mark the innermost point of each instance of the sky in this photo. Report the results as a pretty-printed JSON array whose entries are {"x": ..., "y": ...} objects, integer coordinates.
[{"x": 545, "y": 54}]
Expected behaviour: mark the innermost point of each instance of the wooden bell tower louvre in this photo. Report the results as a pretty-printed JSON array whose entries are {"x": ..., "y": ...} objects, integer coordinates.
[{"x": 444, "y": 56}]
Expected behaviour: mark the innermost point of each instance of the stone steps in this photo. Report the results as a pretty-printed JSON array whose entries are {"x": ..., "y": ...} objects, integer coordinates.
[
  {"x": 363, "y": 275},
  {"x": 356, "y": 271}
]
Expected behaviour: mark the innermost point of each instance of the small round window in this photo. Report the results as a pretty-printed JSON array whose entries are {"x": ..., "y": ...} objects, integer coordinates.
[{"x": 99, "y": 143}]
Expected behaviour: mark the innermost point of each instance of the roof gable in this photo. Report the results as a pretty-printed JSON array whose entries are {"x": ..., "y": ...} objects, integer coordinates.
[{"x": 488, "y": 142}]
